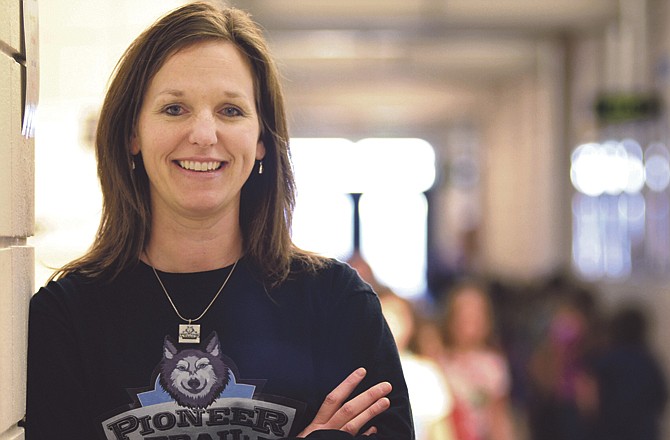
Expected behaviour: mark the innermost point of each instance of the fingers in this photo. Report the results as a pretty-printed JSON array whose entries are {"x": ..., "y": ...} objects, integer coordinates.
[
  {"x": 336, "y": 398},
  {"x": 360, "y": 410},
  {"x": 351, "y": 416},
  {"x": 372, "y": 430}
]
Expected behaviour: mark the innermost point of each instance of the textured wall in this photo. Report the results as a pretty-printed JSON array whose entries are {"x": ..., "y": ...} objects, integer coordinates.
[{"x": 16, "y": 224}]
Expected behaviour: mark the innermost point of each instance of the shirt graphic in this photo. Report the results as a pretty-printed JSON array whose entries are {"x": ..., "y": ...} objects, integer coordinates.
[{"x": 196, "y": 396}]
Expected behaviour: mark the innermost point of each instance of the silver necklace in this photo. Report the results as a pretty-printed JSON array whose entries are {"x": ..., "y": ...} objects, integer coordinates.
[{"x": 190, "y": 333}]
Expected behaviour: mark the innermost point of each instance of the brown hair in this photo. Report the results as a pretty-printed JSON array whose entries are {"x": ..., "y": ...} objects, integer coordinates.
[{"x": 267, "y": 200}]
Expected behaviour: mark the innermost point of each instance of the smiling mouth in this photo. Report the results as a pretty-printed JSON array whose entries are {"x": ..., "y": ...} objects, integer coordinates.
[{"x": 199, "y": 166}]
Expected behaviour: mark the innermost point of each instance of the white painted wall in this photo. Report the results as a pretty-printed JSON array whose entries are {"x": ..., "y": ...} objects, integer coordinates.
[{"x": 524, "y": 225}]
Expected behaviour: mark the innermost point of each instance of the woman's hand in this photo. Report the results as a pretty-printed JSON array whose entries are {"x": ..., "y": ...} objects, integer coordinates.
[{"x": 353, "y": 415}]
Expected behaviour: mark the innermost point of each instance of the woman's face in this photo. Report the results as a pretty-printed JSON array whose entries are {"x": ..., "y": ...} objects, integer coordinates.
[{"x": 198, "y": 132}]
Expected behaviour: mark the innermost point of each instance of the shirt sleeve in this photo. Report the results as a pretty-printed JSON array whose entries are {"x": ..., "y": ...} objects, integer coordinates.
[
  {"x": 357, "y": 335},
  {"x": 56, "y": 398}
]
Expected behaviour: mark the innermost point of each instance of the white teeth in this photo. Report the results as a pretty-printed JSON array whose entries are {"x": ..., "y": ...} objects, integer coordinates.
[{"x": 199, "y": 166}]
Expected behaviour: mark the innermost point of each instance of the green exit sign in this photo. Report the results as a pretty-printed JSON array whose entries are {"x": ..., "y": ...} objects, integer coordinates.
[{"x": 613, "y": 108}]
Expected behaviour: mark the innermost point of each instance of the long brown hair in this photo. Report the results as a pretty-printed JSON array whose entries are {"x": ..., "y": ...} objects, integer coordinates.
[{"x": 267, "y": 199}]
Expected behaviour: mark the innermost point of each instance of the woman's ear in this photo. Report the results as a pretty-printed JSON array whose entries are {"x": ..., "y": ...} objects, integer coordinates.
[
  {"x": 134, "y": 145},
  {"x": 260, "y": 150}
]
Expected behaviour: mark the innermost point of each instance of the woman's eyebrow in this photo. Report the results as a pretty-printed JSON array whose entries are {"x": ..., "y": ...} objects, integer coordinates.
[
  {"x": 172, "y": 92},
  {"x": 180, "y": 93}
]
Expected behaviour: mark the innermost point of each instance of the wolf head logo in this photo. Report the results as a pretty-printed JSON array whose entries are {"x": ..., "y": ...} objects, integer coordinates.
[{"x": 194, "y": 378}]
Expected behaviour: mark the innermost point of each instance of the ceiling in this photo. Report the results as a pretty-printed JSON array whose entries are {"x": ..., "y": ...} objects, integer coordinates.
[{"x": 400, "y": 67}]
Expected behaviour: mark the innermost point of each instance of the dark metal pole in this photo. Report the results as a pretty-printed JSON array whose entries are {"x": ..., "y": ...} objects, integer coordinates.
[{"x": 356, "y": 197}]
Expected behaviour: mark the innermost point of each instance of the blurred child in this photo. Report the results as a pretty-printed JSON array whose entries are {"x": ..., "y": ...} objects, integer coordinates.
[
  {"x": 632, "y": 388},
  {"x": 477, "y": 373},
  {"x": 429, "y": 395},
  {"x": 564, "y": 394}
]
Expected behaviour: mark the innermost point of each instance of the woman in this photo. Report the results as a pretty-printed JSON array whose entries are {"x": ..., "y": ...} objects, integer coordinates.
[{"x": 193, "y": 315}]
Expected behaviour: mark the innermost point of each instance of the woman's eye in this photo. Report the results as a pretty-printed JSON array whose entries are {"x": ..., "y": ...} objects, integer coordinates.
[
  {"x": 173, "y": 110},
  {"x": 231, "y": 111}
]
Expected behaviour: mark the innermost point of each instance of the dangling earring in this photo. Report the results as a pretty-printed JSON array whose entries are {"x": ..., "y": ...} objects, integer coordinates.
[
  {"x": 260, "y": 167},
  {"x": 132, "y": 163}
]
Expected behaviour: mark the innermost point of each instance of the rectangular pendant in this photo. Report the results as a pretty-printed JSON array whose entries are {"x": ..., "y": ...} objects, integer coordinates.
[{"x": 189, "y": 333}]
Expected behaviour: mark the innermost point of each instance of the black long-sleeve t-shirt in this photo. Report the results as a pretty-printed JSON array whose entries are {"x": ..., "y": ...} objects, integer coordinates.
[{"x": 105, "y": 361}]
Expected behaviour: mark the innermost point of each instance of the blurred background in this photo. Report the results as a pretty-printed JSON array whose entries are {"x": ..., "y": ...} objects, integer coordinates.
[{"x": 522, "y": 143}]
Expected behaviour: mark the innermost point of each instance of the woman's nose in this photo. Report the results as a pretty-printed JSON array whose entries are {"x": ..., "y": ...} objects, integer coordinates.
[{"x": 203, "y": 130}]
